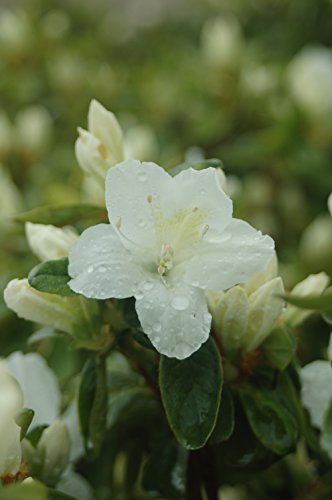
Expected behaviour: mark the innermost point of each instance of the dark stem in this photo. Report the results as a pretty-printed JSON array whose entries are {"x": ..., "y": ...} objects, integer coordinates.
[{"x": 194, "y": 482}]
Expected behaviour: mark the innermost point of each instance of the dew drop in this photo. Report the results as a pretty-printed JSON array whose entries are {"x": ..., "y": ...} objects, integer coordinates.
[
  {"x": 180, "y": 303},
  {"x": 157, "y": 327},
  {"x": 157, "y": 339},
  {"x": 141, "y": 222},
  {"x": 148, "y": 285},
  {"x": 139, "y": 295},
  {"x": 90, "y": 269},
  {"x": 142, "y": 176},
  {"x": 102, "y": 269}
]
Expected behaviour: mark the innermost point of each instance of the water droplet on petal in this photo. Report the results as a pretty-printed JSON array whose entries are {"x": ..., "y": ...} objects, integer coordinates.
[
  {"x": 139, "y": 295},
  {"x": 157, "y": 339},
  {"x": 90, "y": 269},
  {"x": 101, "y": 269},
  {"x": 141, "y": 222},
  {"x": 180, "y": 303},
  {"x": 157, "y": 327},
  {"x": 148, "y": 285},
  {"x": 142, "y": 176}
]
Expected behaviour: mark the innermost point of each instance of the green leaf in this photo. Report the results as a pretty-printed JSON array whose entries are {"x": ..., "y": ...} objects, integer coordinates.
[
  {"x": 143, "y": 340},
  {"x": 191, "y": 392},
  {"x": 51, "y": 277},
  {"x": 279, "y": 348},
  {"x": 273, "y": 425},
  {"x": 225, "y": 421},
  {"x": 35, "y": 435},
  {"x": 322, "y": 302},
  {"x": 92, "y": 403},
  {"x": 328, "y": 317},
  {"x": 164, "y": 473},
  {"x": 61, "y": 215},
  {"x": 24, "y": 419},
  {"x": 58, "y": 495},
  {"x": 326, "y": 434}
]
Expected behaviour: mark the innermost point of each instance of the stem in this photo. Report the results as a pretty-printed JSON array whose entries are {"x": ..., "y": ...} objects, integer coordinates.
[{"x": 194, "y": 483}]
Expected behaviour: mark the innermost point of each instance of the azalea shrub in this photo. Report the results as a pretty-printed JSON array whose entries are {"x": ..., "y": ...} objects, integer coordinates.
[
  {"x": 165, "y": 306},
  {"x": 186, "y": 380}
]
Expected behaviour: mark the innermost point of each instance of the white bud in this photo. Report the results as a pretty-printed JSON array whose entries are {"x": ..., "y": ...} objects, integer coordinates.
[
  {"x": 230, "y": 314},
  {"x": 10, "y": 449},
  {"x": 263, "y": 277},
  {"x": 316, "y": 240},
  {"x": 265, "y": 308},
  {"x": 244, "y": 319},
  {"x": 11, "y": 396},
  {"x": 48, "y": 242},
  {"x": 68, "y": 314},
  {"x": 314, "y": 284},
  {"x": 54, "y": 447},
  {"x": 14, "y": 30},
  {"x": 222, "y": 42},
  {"x": 101, "y": 146},
  {"x": 310, "y": 80},
  {"x": 33, "y": 129}
]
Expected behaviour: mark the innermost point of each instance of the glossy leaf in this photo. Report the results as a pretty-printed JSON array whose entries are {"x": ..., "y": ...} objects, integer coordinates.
[
  {"x": 61, "y": 215},
  {"x": 92, "y": 403},
  {"x": 164, "y": 473},
  {"x": 51, "y": 277},
  {"x": 326, "y": 434},
  {"x": 225, "y": 421},
  {"x": 191, "y": 392},
  {"x": 273, "y": 425}
]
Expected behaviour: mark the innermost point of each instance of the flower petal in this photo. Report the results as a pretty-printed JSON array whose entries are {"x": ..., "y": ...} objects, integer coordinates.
[
  {"x": 104, "y": 125},
  {"x": 39, "y": 385},
  {"x": 202, "y": 188},
  {"x": 233, "y": 259},
  {"x": 175, "y": 319},
  {"x": 101, "y": 267},
  {"x": 316, "y": 394},
  {"x": 129, "y": 187}
]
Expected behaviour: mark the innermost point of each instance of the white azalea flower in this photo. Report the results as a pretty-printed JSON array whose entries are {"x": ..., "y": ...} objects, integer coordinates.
[
  {"x": 101, "y": 146},
  {"x": 168, "y": 240}
]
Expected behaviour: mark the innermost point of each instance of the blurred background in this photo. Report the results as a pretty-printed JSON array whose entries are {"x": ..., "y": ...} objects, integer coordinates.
[{"x": 245, "y": 81}]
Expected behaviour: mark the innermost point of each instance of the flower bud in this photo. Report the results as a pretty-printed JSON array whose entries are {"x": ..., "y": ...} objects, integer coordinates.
[
  {"x": 11, "y": 396},
  {"x": 314, "y": 284},
  {"x": 10, "y": 449},
  {"x": 54, "y": 447},
  {"x": 310, "y": 80},
  {"x": 141, "y": 143},
  {"x": 48, "y": 242},
  {"x": 33, "y": 129},
  {"x": 222, "y": 42},
  {"x": 265, "y": 308},
  {"x": 74, "y": 315},
  {"x": 244, "y": 318},
  {"x": 101, "y": 146}
]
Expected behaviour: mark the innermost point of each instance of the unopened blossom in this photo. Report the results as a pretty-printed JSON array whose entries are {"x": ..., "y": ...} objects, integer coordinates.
[
  {"x": 245, "y": 315},
  {"x": 169, "y": 239},
  {"x": 314, "y": 284},
  {"x": 101, "y": 146},
  {"x": 48, "y": 242}
]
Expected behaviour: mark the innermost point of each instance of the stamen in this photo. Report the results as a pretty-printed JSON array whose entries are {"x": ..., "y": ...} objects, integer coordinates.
[{"x": 149, "y": 198}]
